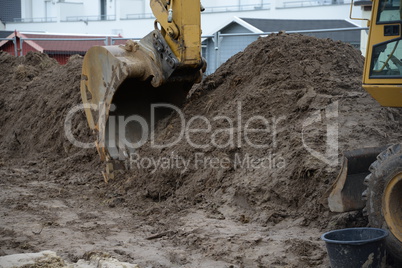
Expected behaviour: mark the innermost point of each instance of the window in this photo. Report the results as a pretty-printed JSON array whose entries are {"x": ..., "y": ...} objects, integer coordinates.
[
  {"x": 387, "y": 60},
  {"x": 103, "y": 9},
  {"x": 389, "y": 11}
]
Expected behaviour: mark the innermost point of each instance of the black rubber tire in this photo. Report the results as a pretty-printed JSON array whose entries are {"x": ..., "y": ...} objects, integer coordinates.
[{"x": 388, "y": 164}]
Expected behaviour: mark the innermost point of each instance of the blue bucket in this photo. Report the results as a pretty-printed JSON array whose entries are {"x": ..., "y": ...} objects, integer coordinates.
[{"x": 356, "y": 247}]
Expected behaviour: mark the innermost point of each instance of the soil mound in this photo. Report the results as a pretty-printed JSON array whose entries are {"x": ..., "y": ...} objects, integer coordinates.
[
  {"x": 259, "y": 138},
  {"x": 37, "y": 94},
  {"x": 266, "y": 132},
  {"x": 238, "y": 177}
]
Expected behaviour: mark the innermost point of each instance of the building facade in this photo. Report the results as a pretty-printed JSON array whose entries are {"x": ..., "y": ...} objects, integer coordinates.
[{"x": 133, "y": 18}]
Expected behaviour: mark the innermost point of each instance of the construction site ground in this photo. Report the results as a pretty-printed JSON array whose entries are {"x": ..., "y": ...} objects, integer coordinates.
[{"x": 53, "y": 195}]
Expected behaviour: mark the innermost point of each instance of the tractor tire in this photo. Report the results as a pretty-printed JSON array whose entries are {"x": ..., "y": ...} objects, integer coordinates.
[{"x": 384, "y": 197}]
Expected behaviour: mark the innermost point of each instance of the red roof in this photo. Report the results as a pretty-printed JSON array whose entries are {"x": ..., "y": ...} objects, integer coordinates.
[
  {"x": 67, "y": 46},
  {"x": 49, "y": 46}
]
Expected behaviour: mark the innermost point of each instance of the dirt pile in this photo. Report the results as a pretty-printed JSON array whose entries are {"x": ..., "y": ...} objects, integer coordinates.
[
  {"x": 266, "y": 132},
  {"x": 37, "y": 94},
  {"x": 240, "y": 178}
]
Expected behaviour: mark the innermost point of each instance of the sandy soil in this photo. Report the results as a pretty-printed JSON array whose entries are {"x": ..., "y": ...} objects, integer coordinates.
[
  {"x": 53, "y": 196},
  {"x": 40, "y": 211}
]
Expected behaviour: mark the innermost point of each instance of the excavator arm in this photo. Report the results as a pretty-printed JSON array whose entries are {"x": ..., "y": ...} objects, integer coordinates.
[
  {"x": 120, "y": 84},
  {"x": 180, "y": 28}
]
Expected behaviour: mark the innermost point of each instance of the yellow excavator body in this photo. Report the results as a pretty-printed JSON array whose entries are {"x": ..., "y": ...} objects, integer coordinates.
[
  {"x": 371, "y": 178},
  {"x": 119, "y": 84},
  {"x": 382, "y": 76}
]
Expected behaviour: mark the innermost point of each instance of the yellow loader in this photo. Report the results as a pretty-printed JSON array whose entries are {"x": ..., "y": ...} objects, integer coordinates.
[
  {"x": 125, "y": 82},
  {"x": 371, "y": 178}
]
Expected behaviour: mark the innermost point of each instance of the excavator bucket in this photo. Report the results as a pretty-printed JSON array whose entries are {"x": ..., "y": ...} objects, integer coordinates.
[
  {"x": 346, "y": 192},
  {"x": 120, "y": 85}
]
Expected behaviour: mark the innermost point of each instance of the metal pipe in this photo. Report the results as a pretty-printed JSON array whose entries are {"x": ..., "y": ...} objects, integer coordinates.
[
  {"x": 350, "y": 13},
  {"x": 21, "y": 41},
  {"x": 15, "y": 46}
]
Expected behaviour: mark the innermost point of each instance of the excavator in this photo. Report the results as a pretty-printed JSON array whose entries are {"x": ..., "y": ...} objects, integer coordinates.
[
  {"x": 120, "y": 84},
  {"x": 123, "y": 83}
]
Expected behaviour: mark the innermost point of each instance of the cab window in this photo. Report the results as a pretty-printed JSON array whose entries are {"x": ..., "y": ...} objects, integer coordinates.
[
  {"x": 387, "y": 60},
  {"x": 389, "y": 11}
]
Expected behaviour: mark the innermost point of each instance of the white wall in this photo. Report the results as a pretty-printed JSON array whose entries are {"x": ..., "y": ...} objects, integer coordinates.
[
  {"x": 54, "y": 8},
  {"x": 50, "y": 9},
  {"x": 38, "y": 8},
  {"x": 26, "y": 8},
  {"x": 128, "y": 7},
  {"x": 129, "y": 28},
  {"x": 138, "y": 28},
  {"x": 71, "y": 10}
]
